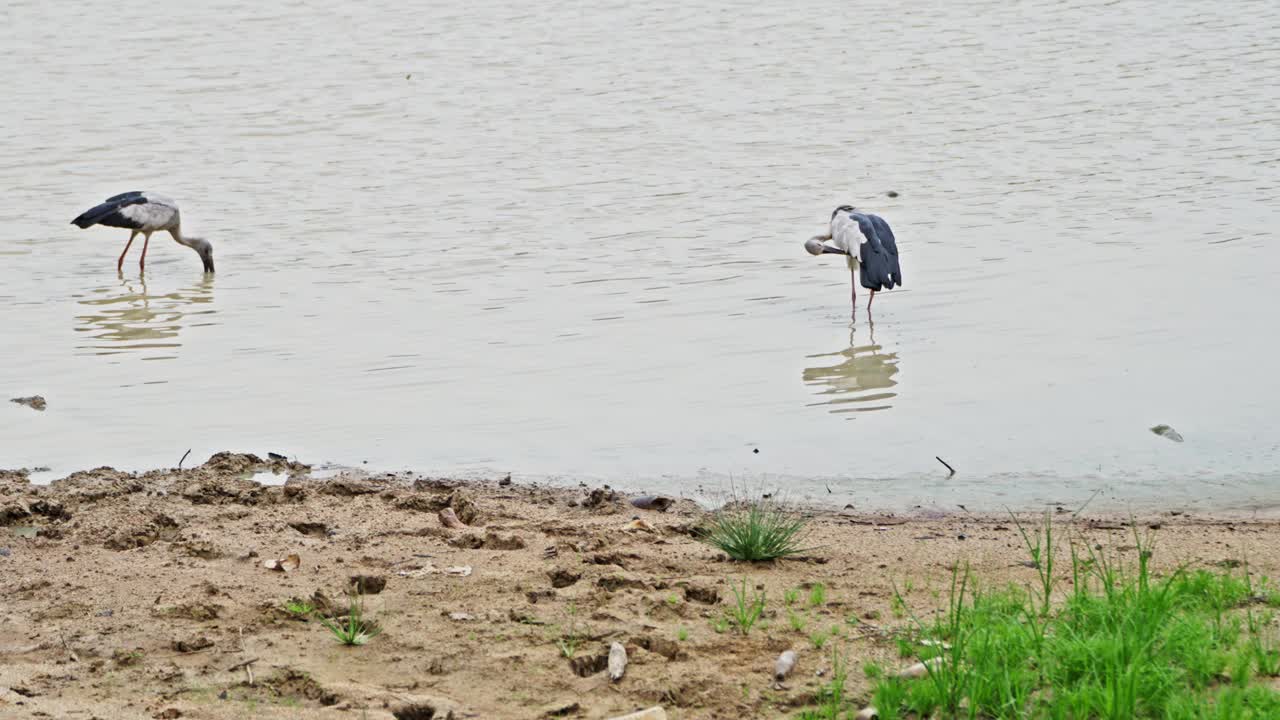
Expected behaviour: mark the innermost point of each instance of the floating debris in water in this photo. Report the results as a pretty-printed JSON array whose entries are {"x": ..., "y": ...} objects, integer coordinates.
[
  {"x": 35, "y": 402},
  {"x": 1165, "y": 431}
]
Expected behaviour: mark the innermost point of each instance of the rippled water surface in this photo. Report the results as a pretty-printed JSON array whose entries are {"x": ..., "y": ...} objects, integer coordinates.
[{"x": 565, "y": 240}]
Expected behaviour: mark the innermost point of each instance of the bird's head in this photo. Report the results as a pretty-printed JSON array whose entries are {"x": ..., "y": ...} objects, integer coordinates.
[
  {"x": 815, "y": 245},
  {"x": 204, "y": 249}
]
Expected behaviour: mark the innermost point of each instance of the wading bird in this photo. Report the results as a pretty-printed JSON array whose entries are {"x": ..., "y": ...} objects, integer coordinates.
[
  {"x": 144, "y": 212},
  {"x": 869, "y": 246}
]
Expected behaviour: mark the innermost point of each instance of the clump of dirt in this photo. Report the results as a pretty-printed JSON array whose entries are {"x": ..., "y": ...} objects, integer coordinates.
[
  {"x": 311, "y": 529},
  {"x": 562, "y": 578},
  {"x": 704, "y": 594},
  {"x": 588, "y": 665},
  {"x": 619, "y": 581},
  {"x": 368, "y": 584},
  {"x": 201, "y": 490},
  {"x": 287, "y": 686},
  {"x": 197, "y": 611},
  {"x": 51, "y": 510},
  {"x": 232, "y": 463},
  {"x": 490, "y": 541},
  {"x": 424, "y": 503},
  {"x": 88, "y": 486},
  {"x": 13, "y": 512},
  {"x": 14, "y": 481},
  {"x": 466, "y": 508},
  {"x": 192, "y": 644},
  {"x": 297, "y": 684},
  {"x": 602, "y": 499},
  {"x": 160, "y": 527},
  {"x": 203, "y": 549},
  {"x": 414, "y": 712}
]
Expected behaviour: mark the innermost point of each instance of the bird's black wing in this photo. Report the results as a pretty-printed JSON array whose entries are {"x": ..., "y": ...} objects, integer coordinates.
[
  {"x": 126, "y": 196},
  {"x": 891, "y": 245},
  {"x": 108, "y": 213},
  {"x": 879, "y": 268}
]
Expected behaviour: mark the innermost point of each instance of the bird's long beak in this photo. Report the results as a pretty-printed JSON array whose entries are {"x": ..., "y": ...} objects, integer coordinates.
[{"x": 828, "y": 250}]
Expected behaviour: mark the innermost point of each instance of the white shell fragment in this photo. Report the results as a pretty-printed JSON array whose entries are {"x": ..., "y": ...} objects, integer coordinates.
[
  {"x": 449, "y": 519},
  {"x": 920, "y": 669},
  {"x": 287, "y": 564},
  {"x": 786, "y": 662},
  {"x": 430, "y": 569},
  {"x": 654, "y": 713},
  {"x": 617, "y": 661}
]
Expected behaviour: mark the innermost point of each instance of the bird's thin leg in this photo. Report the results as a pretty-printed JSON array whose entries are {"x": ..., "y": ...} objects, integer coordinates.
[
  {"x": 873, "y": 298},
  {"x": 142, "y": 262},
  {"x": 853, "y": 291},
  {"x": 120, "y": 262}
]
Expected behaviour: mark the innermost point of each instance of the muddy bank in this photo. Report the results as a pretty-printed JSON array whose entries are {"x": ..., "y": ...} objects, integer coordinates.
[{"x": 129, "y": 595}]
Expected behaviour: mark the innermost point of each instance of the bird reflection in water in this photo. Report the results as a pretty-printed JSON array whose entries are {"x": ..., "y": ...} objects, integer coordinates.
[
  {"x": 862, "y": 379},
  {"x": 125, "y": 317}
]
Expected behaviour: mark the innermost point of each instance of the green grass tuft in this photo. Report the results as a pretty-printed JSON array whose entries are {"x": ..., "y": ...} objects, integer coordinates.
[
  {"x": 796, "y": 620},
  {"x": 571, "y": 636},
  {"x": 299, "y": 609},
  {"x": 756, "y": 530},
  {"x": 747, "y": 608},
  {"x": 355, "y": 630}
]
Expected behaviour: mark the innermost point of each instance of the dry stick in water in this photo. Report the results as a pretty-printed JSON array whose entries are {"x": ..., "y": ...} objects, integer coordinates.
[
  {"x": 184, "y": 457},
  {"x": 944, "y": 462}
]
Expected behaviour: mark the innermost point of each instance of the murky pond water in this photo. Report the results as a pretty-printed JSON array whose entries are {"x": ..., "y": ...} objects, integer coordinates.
[{"x": 566, "y": 241}]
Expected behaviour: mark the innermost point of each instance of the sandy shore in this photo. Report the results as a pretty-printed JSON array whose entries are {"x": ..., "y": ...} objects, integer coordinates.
[{"x": 145, "y": 595}]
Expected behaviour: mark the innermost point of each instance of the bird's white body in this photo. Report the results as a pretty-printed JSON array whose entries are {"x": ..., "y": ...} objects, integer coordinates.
[
  {"x": 846, "y": 236},
  {"x": 157, "y": 213}
]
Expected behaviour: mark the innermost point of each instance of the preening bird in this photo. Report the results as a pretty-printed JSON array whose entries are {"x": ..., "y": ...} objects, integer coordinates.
[
  {"x": 867, "y": 244},
  {"x": 145, "y": 213}
]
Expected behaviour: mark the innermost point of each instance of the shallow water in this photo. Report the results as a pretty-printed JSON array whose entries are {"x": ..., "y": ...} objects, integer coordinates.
[{"x": 567, "y": 243}]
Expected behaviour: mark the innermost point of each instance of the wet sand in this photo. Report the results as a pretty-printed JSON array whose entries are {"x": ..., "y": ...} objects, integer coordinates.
[{"x": 144, "y": 595}]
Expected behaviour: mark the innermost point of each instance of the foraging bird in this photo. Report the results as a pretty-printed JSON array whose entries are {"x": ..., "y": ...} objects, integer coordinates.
[
  {"x": 144, "y": 212},
  {"x": 869, "y": 246}
]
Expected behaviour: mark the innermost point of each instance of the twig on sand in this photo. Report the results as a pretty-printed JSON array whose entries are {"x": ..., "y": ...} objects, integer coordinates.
[
  {"x": 184, "y": 457},
  {"x": 248, "y": 668},
  {"x": 944, "y": 462}
]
